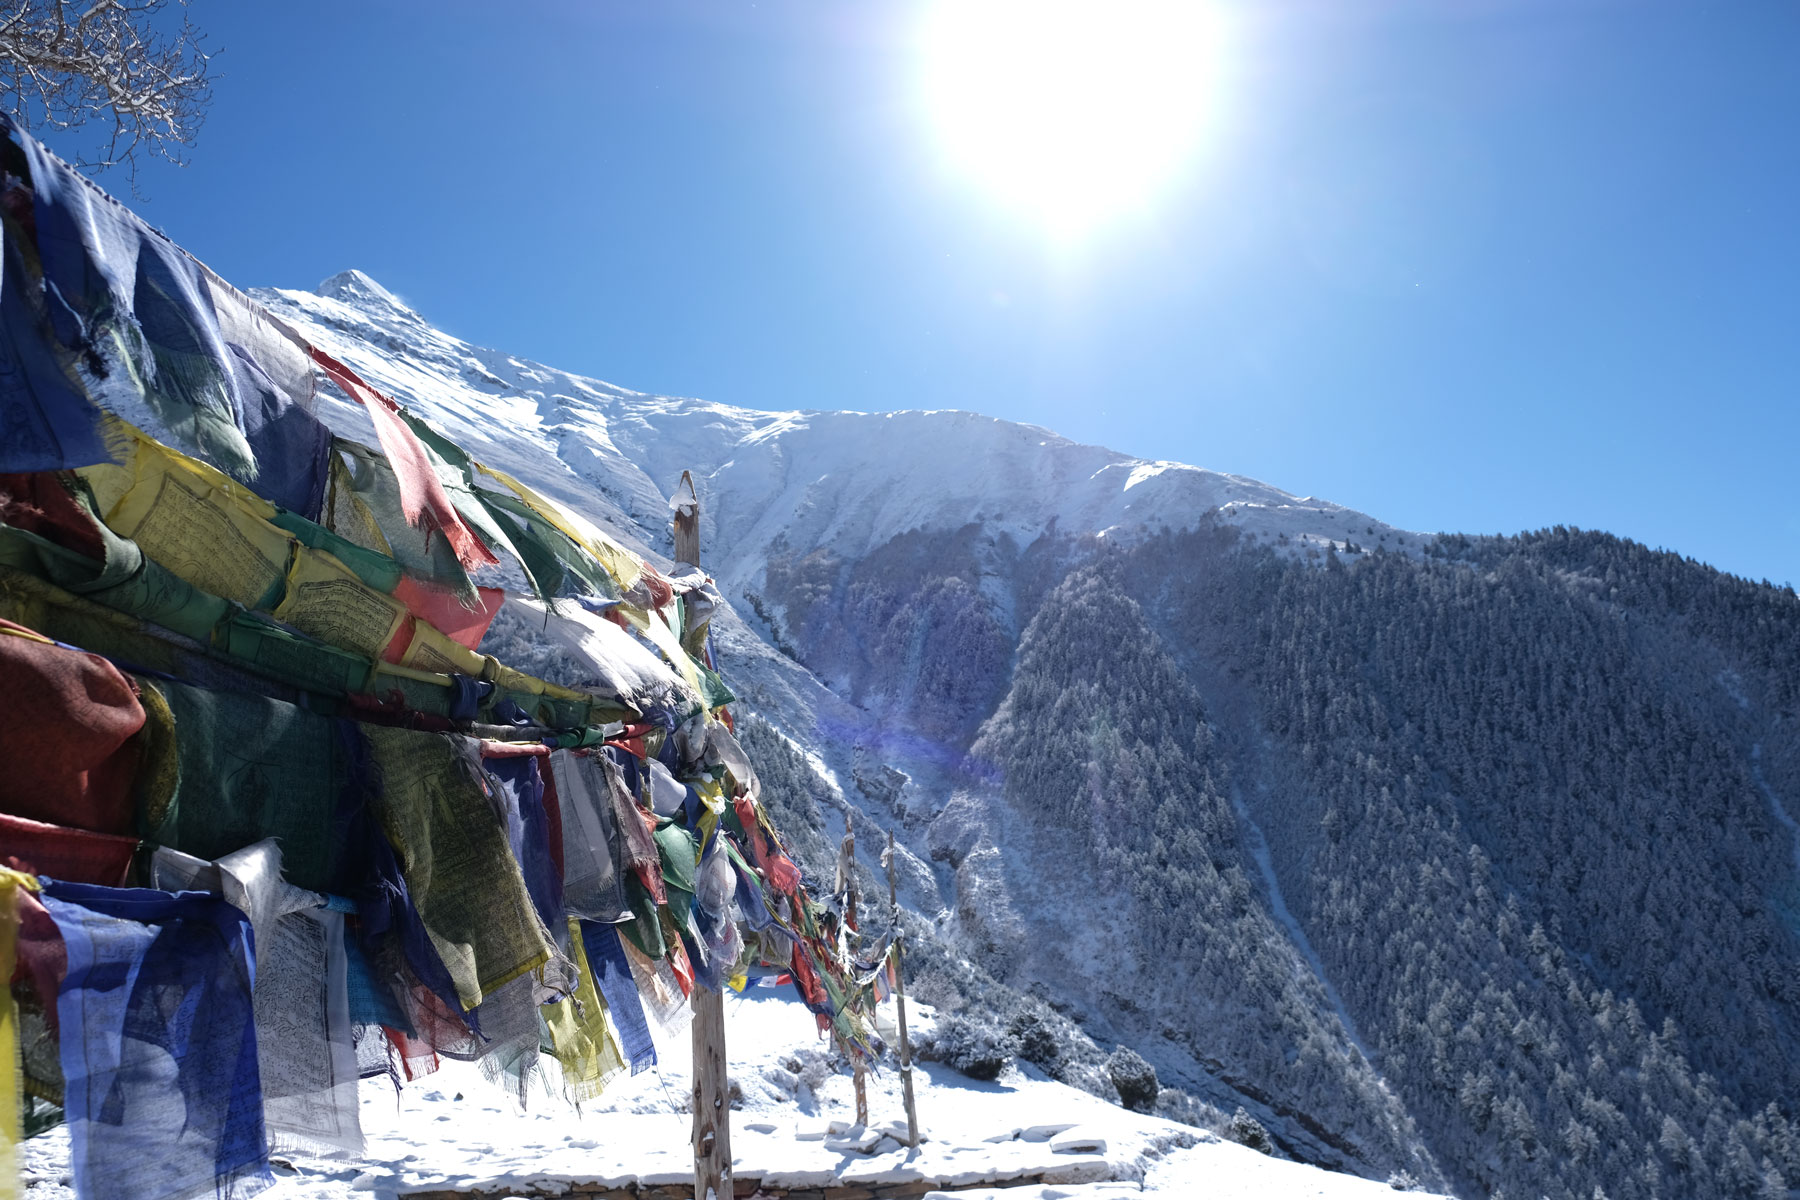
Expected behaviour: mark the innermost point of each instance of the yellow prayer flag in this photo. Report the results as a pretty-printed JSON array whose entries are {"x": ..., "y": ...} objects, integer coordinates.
[
  {"x": 652, "y": 626},
  {"x": 624, "y": 566},
  {"x": 10, "y": 883},
  {"x": 331, "y": 602},
  {"x": 195, "y": 521},
  {"x": 581, "y": 1032},
  {"x": 431, "y": 650}
]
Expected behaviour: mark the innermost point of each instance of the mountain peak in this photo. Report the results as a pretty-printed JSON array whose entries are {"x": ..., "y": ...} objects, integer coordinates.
[{"x": 355, "y": 288}]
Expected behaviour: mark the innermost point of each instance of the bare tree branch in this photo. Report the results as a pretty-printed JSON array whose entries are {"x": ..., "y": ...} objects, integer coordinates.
[{"x": 125, "y": 65}]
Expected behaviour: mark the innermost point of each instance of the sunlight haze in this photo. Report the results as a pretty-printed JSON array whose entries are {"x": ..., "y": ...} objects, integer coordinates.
[{"x": 1068, "y": 112}]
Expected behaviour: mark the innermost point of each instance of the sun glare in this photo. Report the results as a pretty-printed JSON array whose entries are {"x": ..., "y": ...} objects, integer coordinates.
[{"x": 1075, "y": 111}]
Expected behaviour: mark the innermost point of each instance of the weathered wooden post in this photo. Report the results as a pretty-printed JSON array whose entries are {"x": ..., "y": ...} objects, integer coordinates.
[
  {"x": 712, "y": 1106},
  {"x": 906, "y": 1087},
  {"x": 687, "y": 523},
  {"x": 848, "y": 889}
]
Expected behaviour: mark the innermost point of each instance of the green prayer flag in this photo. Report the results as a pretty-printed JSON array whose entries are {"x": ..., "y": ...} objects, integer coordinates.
[{"x": 252, "y": 768}]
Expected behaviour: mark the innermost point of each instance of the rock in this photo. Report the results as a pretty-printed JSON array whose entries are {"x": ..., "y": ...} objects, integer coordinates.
[
  {"x": 1079, "y": 1143},
  {"x": 1083, "y": 1169},
  {"x": 854, "y": 1140},
  {"x": 960, "y": 828}
]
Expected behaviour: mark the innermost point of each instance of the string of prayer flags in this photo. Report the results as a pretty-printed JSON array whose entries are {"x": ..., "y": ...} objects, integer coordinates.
[{"x": 259, "y": 648}]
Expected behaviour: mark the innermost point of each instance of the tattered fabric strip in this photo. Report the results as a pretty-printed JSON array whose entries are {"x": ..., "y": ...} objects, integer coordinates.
[
  {"x": 553, "y": 562},
  {"x": 624, "y": 566},
  {"x": 593, "y": 886},
  {"x": 422, "y": 495},
  {"x": 391, "y": 929},
  {"x": 663, "y": 999},
  {"x": 306, "y": 1056},
  {"x": 521, "y": 797},
  {"x": 510, "y": 1041},
  {"x": 47, "y": 419},
  {"x": 162, "y": 1094},
  {"x": 146, "y": 331},
  {"x": 458, "y": 866},
  {"x": 581, "y": 1035},
  {"x": 612, "y": 975},
  {"x": 636, "y": 825},
  {"x": 274, "y": 379},
  {"x": 715, "y": 892}
]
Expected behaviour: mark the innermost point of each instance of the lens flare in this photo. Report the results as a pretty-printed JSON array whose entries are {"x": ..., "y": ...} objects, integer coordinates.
[{"x": 1072, "y": 111}]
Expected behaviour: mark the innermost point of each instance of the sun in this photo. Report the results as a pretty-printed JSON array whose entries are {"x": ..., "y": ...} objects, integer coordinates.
[{"x": 1072, "y": 111}]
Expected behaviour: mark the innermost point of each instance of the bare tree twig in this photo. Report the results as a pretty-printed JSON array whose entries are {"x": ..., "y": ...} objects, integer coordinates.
[{"x": 125, "y": 65}]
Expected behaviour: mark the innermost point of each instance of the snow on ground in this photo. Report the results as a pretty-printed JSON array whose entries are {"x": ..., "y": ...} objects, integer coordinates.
[{"x": 456, "y": 1130}]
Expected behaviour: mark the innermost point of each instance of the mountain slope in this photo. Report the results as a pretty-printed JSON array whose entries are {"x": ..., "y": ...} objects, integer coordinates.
[{"x": 1469, "y": 859}]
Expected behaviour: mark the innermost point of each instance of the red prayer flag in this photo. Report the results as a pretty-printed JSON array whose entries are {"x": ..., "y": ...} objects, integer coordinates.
[
  {"x": 422, "y": 497},
  {"x": 76, "y": 855},
  {"x": 68, "y": 725}
]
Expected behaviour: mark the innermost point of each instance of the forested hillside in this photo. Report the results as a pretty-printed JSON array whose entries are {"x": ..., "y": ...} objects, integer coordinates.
[
  {"x": 1506, "y": 819},
  {"x": 1517, "y": 814}
]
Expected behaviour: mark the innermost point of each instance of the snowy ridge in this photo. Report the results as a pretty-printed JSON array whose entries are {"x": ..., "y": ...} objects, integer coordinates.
[{"x": 845, "y": 481}]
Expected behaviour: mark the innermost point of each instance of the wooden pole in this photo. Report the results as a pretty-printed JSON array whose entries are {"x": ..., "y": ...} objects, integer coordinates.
[
  {"x": 846, "y": 886},
  {"x": 906, "y": 1082},
  {"x": 711, "y": 1102},
  {"x": 712, "y": 1111},
  {"x": 687, "y": 523}
]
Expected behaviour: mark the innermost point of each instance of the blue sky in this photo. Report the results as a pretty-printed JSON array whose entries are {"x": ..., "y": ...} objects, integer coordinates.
[{"x": 1482, "y": 266}]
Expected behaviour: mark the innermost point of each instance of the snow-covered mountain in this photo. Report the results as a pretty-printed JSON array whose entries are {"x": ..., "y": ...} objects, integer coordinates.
[
  {"x": 1456, "y": 861},
  {"x": 847, "y": 482}
]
